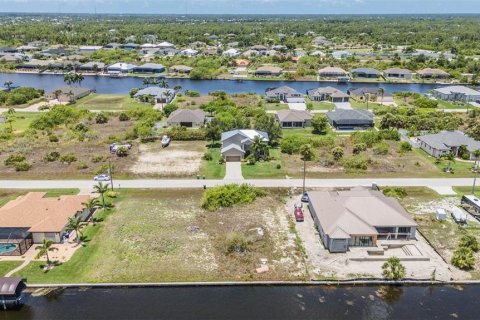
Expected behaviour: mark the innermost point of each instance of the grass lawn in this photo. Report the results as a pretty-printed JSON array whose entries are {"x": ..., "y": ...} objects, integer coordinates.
[
  {"x": 321, "y": 105},
  {"x": 265, "y": 169},
  {"x": 211, "y": 169},
  {"x": 276, "y": 106},
  {"x": 22, "y": 120},
  {"x": 449, "y": 105},
  {"x": 360, "y": 105},
  {"x": 164, "y": 235},
  {"x": 108, "y": 102},
  {"x": 460, "y": 168},
  {"x": 10, "y": 194},
  {"x": 6, "y": 266}
]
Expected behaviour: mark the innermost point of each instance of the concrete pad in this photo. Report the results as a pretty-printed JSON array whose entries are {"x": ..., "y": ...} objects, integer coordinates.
[
  {"x": 444, "y": 191},
  {"x": 233, "y": 171},
  {"x": 297, "y": 106},
  {"x": 343, "y": 105}
]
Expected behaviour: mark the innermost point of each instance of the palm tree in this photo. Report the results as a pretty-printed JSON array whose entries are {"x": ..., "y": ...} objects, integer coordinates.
[
  {"x": 75, "y": 224},
  {"x": 382, "y": 92},
  {"x": 91, "y": 205},
  {"x": 259, "y": 147},
  {"x": 168, "y": 94},
  {"x": 11, "y": 119},
  {"x": 393, "y": 269},
  {"x": 101, "y": 189},
  {"x": 79, "y": 78},
  {"x": 147, "y": 81},
  {"x": 164, "y": 83},
  {"x": 68, "y": 78},
  {"x": 307, "y": 153},
  {"x": 177, "y": 88},
  {"x": 44, "y": 249},
  {"x": 8, "y": 84}
]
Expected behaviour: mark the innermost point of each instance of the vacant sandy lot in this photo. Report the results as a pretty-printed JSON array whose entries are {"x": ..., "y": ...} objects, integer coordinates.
[{"x": 180, "y": 159}]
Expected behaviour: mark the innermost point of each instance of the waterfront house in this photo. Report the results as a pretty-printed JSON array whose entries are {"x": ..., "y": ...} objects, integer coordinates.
[
  {"x": 368, "y": 73},
  {"x": 398, "y": 73},
  {"x": 330, "y": 94},
  {"x": 350, "y": 119},
  {"x": 92, "y": 66},
  {"x": 242, "y": 63},
  {"x": 360, "y": 93},
  {"x": 429, "y": 73},
  {"x": 130, "y": 46},
  {"x": 181, "y": 69},
  {"x": 120, "y": 68},
  {"x": 113, "y": 46},
  {"x": 160, "y": 95},
  {"x": 236, "y": 144},
  {"x": 165, "y": 45},
  {"x": 186, "y": 118},
  {"x": 444, "y": 142},
  {"x": 456, "y": 93},
  {"x": 283, "y": 93},
  {"x": 341, "y": 55},
  {"x": 89, "y": 49},
  {"x": 189, "y": 52},
  {"x": 268, "y": 71},
  {"x": 293, "y": 118},
  {"x": 149, "y": 68},
  {"x": 332, "y": 72},
  {"x": 33, "y": 217},
  {"x": 358, "y": 218},
  {"x": 68, "y": 93}
]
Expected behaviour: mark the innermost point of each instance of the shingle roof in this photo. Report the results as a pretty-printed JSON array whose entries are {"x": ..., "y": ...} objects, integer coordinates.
[
  {"x": 366, "y": 71},
  {"x": 458, "y": 89},
  {"x": 154, "y": 91},
  {"x": 446, "y": 139},
  {"x": 357, "y": 212},
  {"x": 397, "y": 71},
  {"x": 271, "y": 69},
  {"x": 41, "y": 214},
  {"x": 331, "y": 91},
  {"x": 186, "y": 115},
  {"x": 247, "y": 133},
  {"x": 332, "y": 70},
  {"x": 293, "y": 115},
  {"x": 432, "y": 71},
  {"x": 282, "y": 90},
  {"x": 350, "y": 116}
]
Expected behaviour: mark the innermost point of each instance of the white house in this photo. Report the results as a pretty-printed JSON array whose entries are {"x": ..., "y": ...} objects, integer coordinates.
[{"x": 236, "y": 144}]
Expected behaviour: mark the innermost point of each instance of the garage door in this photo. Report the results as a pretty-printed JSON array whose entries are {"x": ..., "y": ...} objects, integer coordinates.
[{"x": 233, "y": 158}]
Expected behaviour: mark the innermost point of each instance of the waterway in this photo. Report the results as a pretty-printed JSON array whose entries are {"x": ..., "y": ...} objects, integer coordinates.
[
  {"x": 108, "y": 85},
  {"x": 254, "y": 302}
]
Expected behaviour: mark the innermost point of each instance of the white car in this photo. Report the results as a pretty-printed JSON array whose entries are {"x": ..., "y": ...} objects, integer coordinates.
[{"x": 102, "y": 177}]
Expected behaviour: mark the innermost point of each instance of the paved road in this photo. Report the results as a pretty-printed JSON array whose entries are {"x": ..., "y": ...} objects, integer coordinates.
[{"x": 186, "y": 183}]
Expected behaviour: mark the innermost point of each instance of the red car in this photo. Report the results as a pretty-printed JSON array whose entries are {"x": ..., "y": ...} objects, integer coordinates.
[{"x": 298, "y": 212}]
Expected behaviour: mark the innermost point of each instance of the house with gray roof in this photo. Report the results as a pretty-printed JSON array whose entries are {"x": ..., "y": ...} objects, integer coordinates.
[
  {"x": 398, "y": 73},
  {"x": 456, "y": 93},
  {"x": 433, "y": 73},
  {"x": 350, "y": 119},
  {"x": 149, "y": 68},
  {"x": 330, "y": 94},
  {"x": 92, "y": 66},
  {"x": 358, "y": 218},
  {"x": 68, "y": 93},
  {"x": 293, "y": 118},
  {"x": 283, "y": 93},
  {"x": 181, "y": 69},
  {"x": 332, "y": 72},
  {"x": 186, "y": 118},
  {"x": 120, "y": 67},
  {"x": 268, "y": 71},
  {"x": 444, "y": 142},
  {"x": 161, "y": 95},
  {"x": 366, "y": 73},
  {"x": 236, "y": 144}
]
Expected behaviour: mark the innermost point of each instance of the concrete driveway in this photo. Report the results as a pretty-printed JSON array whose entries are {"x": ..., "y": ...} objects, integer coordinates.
[
  {"x": 343, "y": 105},
  {"x": 233, "y": 171}
]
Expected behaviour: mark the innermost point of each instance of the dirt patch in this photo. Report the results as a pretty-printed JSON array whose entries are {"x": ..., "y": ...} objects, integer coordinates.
[{"x": 178, "y": 159}]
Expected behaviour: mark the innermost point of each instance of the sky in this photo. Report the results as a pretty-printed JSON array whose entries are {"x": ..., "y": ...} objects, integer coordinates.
[{"x": 243, "y": 6}]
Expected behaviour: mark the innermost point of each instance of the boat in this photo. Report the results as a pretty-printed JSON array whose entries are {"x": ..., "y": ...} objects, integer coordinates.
[
  {"x": 165, "y": 141},
  {"x": 11, "y": 292}
]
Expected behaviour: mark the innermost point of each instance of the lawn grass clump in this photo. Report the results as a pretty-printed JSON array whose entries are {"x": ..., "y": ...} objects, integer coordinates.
[{"x": 230, "y": 195}]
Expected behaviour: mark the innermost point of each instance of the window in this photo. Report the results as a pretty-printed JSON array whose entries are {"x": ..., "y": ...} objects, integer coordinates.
[
  {"x": 363, "y": 241},
  {"x": 404, "y": 230}
]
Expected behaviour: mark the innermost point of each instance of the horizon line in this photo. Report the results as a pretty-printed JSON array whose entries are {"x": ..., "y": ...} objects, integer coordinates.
[{"x": 240, "y": 14}]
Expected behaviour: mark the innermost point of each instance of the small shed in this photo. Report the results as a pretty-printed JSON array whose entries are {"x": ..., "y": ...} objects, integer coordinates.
[
  {"x": 11, "y": 291},
  {"x": 441, "y": 214}
]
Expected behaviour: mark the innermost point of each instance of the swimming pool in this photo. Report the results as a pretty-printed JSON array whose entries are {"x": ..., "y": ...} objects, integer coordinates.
[{"x": 4, "y": 248}]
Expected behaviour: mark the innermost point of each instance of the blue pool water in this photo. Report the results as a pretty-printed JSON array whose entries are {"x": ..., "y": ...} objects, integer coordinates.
[{"x": 4, "y": 248}]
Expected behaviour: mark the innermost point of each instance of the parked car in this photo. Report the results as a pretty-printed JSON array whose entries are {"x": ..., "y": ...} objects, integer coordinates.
[
  {"x": 115, "y": 146},
  {"x": 305, "y": 197},
  {"x": 298, "y": 212},
  {"x": 102, "y": 177}
]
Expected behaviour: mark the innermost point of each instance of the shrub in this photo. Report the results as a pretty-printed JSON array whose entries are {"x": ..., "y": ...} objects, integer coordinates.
[
  {"x": 236, "y": 243},
  {"x": 13, "y": 159},
  {"x": 319, "y": 124},
  {"x": 337, "y": 153},
  {"x": 292, "y": 144},
  {"x": 356, "y": 163},
  {"x": 80, "y": 127},
  {"x": 82, "y": 165},
  {"x": 469, "y": 241},
  {"x": 279, "y": 166},
  {"x": 52, "y": 138},
  {"x": 169, "y": 108},
  {"x": 395, "y": 192},
  {"x": 381, "y": 148},
  {"x": 405, "y": 147},
  {"x": 369, "y": 137},
  {"x": 122, "y": 152},
  {"x": 101, "y": 118},
  {"x": 123, "y": 117},
  {"x": 111, "y": 194},
  {"x": 184, "y": 134},
  {"x": 68, "y": 158},
  {"x": 391, "y": 134},
  {"x": 22, "y": 166},
  {"x": 359, "y": 147},
  {"x": 97, "y": 158},
  {"x": 251, "y": 160},
  {"x": 230, "y": 195},
  {"x": 207, "y": 156},
  {"x": 463, "y": 258},
  {"x": 393, "y": 269},
  {"x": 104, "y": 168},
  {"x": 52, "y": 156},
  {"x": 189, "y": 93}
]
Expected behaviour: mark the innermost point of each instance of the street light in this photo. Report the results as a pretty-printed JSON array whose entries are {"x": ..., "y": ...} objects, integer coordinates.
[{"x": 475, "y": 169}]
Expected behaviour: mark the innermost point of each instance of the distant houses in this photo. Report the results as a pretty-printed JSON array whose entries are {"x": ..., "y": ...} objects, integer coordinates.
[
  {"x": 350, "y": 119},
  {"x": 445, "y": 142},
  {"x": 332, "y": 72},
  {"x": 330, "y": 94},
  {"x": 283, "y": 93},
  {"x": 181, "y": 69},
  {"x": 289, "y": 119},
  {"x": 92, "y": 66},
  {"x": 456, "y": 93},
  {"x": 160, "y": 95},
  {"x": 429, "y": 73},
  {"x": 368, "y": 73},
  {"x": 398, "y": 73},
  {"x": 149, "y": 68},
  {"x": 120, "y": 68},
  {"x": 268, "y": 71},
  {"x": 237, "y": 144},
  {"x": 68, "y": 93}
]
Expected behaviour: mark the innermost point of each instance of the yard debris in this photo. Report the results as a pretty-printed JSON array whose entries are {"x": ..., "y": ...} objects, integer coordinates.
[
  {"x": 263, "y": 266},
  {"x": 193, "y": 229},
  {"x": 255, "y": 234}
]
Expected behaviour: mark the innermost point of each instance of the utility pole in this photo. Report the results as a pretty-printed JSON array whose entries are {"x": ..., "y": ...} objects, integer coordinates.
[
  {"x": 304, "y": 173},
  {"x": 111, "y": 174},
  {"x": 475, "y": 169}
]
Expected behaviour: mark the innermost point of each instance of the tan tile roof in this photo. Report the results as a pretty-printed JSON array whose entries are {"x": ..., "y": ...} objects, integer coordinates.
[
  {"x": 357, "y": 212},
  {"x": 39, "y": 213}
]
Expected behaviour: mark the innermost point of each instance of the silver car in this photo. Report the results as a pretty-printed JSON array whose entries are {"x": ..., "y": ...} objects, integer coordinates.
[{"x": 102, "y": 177}]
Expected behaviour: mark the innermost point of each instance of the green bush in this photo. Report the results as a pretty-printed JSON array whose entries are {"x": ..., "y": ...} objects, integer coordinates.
[
  {"x": 52, "y": 138},
  {"x": 104, "y": 168},
  {"x": 337, "y": 153},
  {"x": 207, "y": 156},
  {"x": 97, "y": 158},
  {"x": 13, "y": 159},
  {"x": 251, "y": 160},
  {"x": 405, "y": 147},
  {"x": 279, "y": 166},
  {"x": 122, "y": 152},
  {"x": 184, "y": 134},
  {"x": 395, "y": 192},
  {"x": 356, "y": 163},
  {"x": 68, "y": 158},
  {"x": 369, "y": 137},
  {"x": 391, "y": 134},
  {"x": 52, "y": 156},
  {"x": 469, "y": 241},
  {"x": 359, "y": 147},
  {"x": 230, "y": 195},
  {"x": 101, "y": 118},
  {"x": 292, "y": 144},
  {"x": 463, "y": 258},
  {"x": 236, "y": 243},
  {"x": 190, "y": 93},
  {"x": 22, "y": 166},
  {"x": 81, "y": 165},
  {"x": 381, "y": 148},
  {"x": 58, "y": 115},
  {"x": 123, "y": 117}
]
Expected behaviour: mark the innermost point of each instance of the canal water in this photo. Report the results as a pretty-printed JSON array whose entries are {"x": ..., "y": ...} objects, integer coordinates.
[
  {"x": 104, "y": 84},
  {"x": 254, "y": 302}
]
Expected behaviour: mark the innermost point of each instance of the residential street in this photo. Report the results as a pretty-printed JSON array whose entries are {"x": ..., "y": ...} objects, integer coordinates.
[{"x": 442, "y": 186}]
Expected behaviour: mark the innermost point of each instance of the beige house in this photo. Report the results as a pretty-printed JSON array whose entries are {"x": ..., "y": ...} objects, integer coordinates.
[
  {"x": 293, "y": 118},
  {"x": 38, "y": 217},
  {"x": 186, "y": 118},
  {"x": 68, "y": 94},
  {"x": 358, "y": 218}
]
